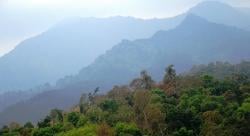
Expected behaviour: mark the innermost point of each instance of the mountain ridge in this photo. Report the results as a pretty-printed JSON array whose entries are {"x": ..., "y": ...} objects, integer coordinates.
[
  {"x": 64, "y": 49},
  {"x": 125, "y": 60},
  {"x": 222, "y": 13},
  {"x": 51, "y": 56}
]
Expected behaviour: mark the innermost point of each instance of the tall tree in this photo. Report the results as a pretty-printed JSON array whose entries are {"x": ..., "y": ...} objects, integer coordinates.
[
  {"x": 170, "y": 75},
  {"x": 56, "y": 116},
  {"x": 83, "y": 103},
  {"x": 144, "y": 82},
  {"x": 169, "y": 81}
]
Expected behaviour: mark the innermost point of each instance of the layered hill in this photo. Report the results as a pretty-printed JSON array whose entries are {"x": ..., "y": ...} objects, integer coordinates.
[
  {"x": 70, "y": 45},
  {"x": 194, "y": 41},
  {"x": 75, "y": 43}
]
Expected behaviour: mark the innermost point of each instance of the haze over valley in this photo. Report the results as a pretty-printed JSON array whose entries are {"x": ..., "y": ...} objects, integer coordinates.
[{"x": 73, "y": 73}]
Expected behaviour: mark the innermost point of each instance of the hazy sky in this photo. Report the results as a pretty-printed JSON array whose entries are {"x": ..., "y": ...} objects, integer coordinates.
[
  {"x": 20, "y": 19},
  {"x": 138, "y": 8}
]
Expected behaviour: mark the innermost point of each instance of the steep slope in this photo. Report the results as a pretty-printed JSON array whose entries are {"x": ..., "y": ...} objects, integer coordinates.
[
  {"x": 18, "y": 25},
  {"x": 195, "y": 41},
  {"x": 223, "y": 14},
  {"x": 75, "y": 43},
  {"x": 69, "y": 46}
]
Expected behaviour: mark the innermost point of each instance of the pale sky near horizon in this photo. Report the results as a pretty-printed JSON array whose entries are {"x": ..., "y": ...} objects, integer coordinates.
[
  {"x": 18, "y": 15},
  {"x": 99, "y": 8}
]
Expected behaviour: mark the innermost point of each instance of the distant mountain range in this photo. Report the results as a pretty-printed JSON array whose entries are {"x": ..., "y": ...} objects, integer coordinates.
[
  {"x": 194, "y": 41},
  {"x": 75, "y": 43},
  {"x": 223, "y": 14},
  {"x": 69, "y": 46}
]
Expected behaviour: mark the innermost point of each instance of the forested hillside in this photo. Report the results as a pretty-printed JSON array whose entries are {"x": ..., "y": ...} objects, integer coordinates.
[
  {"x": 201, "y": 102},
  {"x": 194, "y": 41},
  {"x": 125, "y": 68},
  {"x": 75, "y": 42}
]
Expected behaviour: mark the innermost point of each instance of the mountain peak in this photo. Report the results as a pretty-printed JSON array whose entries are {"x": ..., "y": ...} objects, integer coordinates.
[
  {"x": 211, "y": 5},
  {"x": 221, "y": 13},
  {"x": 190, "y": 23},
  {"x": 193, "y": 20},
  {"x": 209, "y": 9}
]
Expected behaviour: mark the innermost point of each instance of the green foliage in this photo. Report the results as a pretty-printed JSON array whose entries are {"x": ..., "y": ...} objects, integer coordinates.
[
  {"x": 26, "y": 131},
  {"x": 244, "y": 110},
  {"x": 95, "y": 114},
  {"x": 183, "y": 132},
  {"x": 4, "y": 130},
  {"x": 28, "y": 125},
  {"x": 56, "y": 115},
  {"x": 88, "y": 130},
  {"x": 202, "y": 105},
  {"x": 127, "y": 129},
  {"x": 170, "y": 75},
  {"x": 208, "y": 81},
  {"x": 109, "y": 105},
  {"x": 82, "y": 121},
  {"x": 68, "y": 126},
  {"x": 10, "y": 134},
  {"x": 73, "y": 118},
  {"x": 44, "y": 123},
  {"x": 47, "y": 131}
]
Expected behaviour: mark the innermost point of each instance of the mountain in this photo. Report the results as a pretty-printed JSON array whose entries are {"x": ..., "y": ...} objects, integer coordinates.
[
  {"x": 194, "y": 41},
  {"x": 221, "y": 70},
  {"x": 75, "y": 43},
  {"x": 223, "y": 14},
  {"x": 17, "y": 25},
  {"x": 70, "y": 45},
  {"x": 12, "y": 97},
  {"x": 183, "y": 105},
  {"x": 244, "y": 10}
]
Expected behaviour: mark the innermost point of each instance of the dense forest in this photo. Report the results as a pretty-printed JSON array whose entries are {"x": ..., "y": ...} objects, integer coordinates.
[{"x": 209, "y": 100}]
